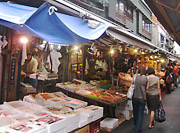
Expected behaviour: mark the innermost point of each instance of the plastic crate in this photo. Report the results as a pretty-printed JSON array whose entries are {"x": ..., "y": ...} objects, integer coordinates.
[{"x": 95, "y": 126}]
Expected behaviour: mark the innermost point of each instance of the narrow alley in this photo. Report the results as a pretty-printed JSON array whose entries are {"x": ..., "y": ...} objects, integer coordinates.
[{"x": 171, "y": 104}]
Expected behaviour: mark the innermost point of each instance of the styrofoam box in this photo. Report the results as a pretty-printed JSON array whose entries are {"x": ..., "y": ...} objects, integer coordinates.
[
  {"x": 56, "y": 125},
  {"x": 11, "y": 111},
  {"x": 84, "y": 121},
  {"x": 74, "y": 117},
  {"x": 63, "y": 130},
  {"x": 109, "y": 122},
  {"x": 30, "y": 108},
  {"x": 91, "y": 110},
  {"x": 23, "y": 117},
  {"x": 98, "y": 116},
  {"x": 44, "y": 130},
  {"x": 26, "y": 126},
  {"x": 16, "y": 104},
  {"x": 5, "y": 107},
  {"x": 55, "y": 101},
  {"x": 5, "y": 129},
  {"x": 5, "y": 120},
  {"x": 127, "y": 114},
  {"x": 72, "y": 126},
  {"x": 126, "y": 105}
]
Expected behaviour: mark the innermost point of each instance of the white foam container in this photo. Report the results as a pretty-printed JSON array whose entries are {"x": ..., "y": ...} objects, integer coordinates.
[
  {"x": 58, "y": 125},
  {"x": 72, "y": 126},
  {"x": 16, "y": 104},
  {"x": 109, "y": 122}
]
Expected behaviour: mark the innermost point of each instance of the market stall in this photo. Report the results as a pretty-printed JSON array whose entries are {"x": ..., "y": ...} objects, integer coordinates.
[
  {"x": 94, "y": 95},
  {"x": 48, "y": 112}
]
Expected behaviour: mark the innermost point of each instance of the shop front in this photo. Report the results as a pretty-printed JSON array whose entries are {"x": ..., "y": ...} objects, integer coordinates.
[{"x": 80, "y": 68}]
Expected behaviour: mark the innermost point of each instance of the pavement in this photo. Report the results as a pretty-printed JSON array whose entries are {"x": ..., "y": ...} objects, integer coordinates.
[{"x": 171, "y": 104}]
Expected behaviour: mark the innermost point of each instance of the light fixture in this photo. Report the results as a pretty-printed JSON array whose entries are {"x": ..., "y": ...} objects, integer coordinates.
[
  {"x": 112, "y": 51},
  {"x": 76, "y": 48},
  {"x": 162, "y": 60},
  {"x": 146, "y": 51},
  {"x": 135, "y": 50},
  {"x": 151, "y": 57},
  {"x": 142, "y": 52},
  {"x": 23, "y": 40}
]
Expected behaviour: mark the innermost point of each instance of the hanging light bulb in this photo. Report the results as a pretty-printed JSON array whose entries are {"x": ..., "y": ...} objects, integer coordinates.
[
  {"x": 23, "y": 40},
  {"x": 135, "y": 50},
  {"x": 112, "y": 51},
  {"x": 162, "y": 60},
  {"x": 76, "y": 48}
]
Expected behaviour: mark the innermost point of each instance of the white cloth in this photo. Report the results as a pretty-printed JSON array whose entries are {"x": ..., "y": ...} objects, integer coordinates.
[
  {"x": 24, "y": 55},
  {"x": 55, "y": 60},
  {"x": 3, "y": 43}
]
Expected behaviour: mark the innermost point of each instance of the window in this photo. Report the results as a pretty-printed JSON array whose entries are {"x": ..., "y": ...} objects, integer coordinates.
[
  {"x": 124, "y": 7},
  {"x": 146, "y": 24},
  {"x": 129, "y": 11},
  {"x": 162, "y": 38},
  {"x": 120, "y": 6},
  {"x": 96, "y": 4}
]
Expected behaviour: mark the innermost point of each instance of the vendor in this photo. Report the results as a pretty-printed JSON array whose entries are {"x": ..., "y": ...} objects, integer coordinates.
[
  {"x": 30, "y": 67},
  {"x": 133, "y": 68}
]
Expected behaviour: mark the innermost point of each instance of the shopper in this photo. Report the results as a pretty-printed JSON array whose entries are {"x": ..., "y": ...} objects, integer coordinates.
[
  {"x": 153, "y": 94},
  {"x": 175, "y": 68},
  {"x": 139, "y": 97},
  {"x": 166, "y": 77}
]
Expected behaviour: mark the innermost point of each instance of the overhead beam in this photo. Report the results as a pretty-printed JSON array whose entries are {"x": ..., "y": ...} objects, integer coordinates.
[
  {"x": 164, "y": 14},
  {"x": 168, "y": 6}
]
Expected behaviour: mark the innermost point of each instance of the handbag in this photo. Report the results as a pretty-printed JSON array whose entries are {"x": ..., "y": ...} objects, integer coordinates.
[
  {"x": 160, "y": 113},
  {"x": 131, "y": 89},
  {"x": 170, "y": 79}
]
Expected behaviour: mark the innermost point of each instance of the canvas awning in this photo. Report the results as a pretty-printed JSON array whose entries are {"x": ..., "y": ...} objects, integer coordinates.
[{"x": 55, "y": 27}]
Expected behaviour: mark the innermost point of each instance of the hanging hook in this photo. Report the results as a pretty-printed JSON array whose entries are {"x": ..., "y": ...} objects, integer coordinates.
[{"x": 51, "y": 10}]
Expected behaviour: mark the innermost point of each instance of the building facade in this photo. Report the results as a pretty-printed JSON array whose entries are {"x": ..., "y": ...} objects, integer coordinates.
[{"x": 134, "y": 16}]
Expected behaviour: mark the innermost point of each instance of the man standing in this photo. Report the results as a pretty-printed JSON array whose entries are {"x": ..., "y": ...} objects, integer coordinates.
[
  {"x": 175, "y": 68},
  {"x": 30, "y": 67}
]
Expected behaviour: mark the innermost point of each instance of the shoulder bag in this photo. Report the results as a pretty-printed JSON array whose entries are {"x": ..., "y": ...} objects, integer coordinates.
[
  {"x": 131, "y": 89},
  {"x": 170, "y": 79},
  {"x": 160, "y": 113}
]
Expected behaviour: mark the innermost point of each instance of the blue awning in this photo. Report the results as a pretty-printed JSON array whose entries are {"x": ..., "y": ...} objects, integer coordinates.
[{"x": 56, "y": 28}]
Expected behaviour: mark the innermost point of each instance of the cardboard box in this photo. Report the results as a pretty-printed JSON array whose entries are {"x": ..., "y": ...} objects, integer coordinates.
[
  {"x": 126, "y": 105},
  {"x": 85, "y": 129},
  {"x": 123, "y": 114}
]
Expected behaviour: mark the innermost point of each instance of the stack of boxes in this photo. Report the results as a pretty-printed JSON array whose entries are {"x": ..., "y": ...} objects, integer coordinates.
[
  {"x": 89, "y": 114},
  {"x": 124, "y": 110}
]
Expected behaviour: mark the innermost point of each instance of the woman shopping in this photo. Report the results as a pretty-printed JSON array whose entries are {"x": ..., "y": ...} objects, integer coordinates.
[
  {"x": 139, "y": 98},
  {"x": 153, "y": 94}
]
